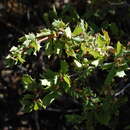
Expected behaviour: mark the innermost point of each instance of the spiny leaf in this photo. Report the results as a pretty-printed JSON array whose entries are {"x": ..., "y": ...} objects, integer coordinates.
[
  {"x": 30, "y": 36},
  {"x": 100, "y": 41},
  {"x": 58, "y": 24},
  {"x": 78, "y": 30}
]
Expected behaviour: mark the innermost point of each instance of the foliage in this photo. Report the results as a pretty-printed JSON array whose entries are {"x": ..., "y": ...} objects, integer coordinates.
[{"x": 73, "y": 56}]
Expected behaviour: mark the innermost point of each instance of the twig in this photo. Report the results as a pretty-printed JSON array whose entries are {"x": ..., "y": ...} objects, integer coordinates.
[
  {"x": 124, "y": 3},
  {"x": 50, "y": 37},
  {"x": 69, "y": 111},
  {"x": 121, "y": 92}
]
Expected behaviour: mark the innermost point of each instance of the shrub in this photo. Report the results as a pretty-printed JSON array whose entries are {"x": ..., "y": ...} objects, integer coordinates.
[{"x": 77, "y": 63}]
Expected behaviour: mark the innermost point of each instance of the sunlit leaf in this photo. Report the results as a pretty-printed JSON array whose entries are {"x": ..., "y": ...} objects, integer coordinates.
[
  {"x": 78, "y": 64},
  {"x": 44, "y": 32},
  {"x": 106, "y": 37},
  {"x": 70, "y": 51},
  {"x": 100, "y": 41},
  {"x": 68, "y": 32},
  {"x": 58, "y": 24},
  {"x": 78, "y": 39},
  {"x": 78, "y": 30},
  {"x": 67, "y": 80},
  {"x": 36, "y": 106},
  {"x": 30, "y": 36},
  {"x": 45, "y": 82},
  {"x": 120, "y": 74},
  {"x": 95, "y": 63},
  {"x": 36, "y": 45},
  {"x": 119, "y": 48}
]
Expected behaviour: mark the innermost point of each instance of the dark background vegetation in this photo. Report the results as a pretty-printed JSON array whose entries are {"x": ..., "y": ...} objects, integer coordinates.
[{"x": 18, "y": 17}]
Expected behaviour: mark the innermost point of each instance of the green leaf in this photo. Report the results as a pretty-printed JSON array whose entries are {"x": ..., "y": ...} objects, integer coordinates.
[
  {"x": 36, "y": 107},
  {"x": 28, "y": 97},
  {"x": 83, "y": 25},
  {"x": 27, "y": 79},
  {"x": 78, "y": 64},
  {"x": 44, "y": 32},
  {"x": 20, "y": 59},
  {"x": 107, "y": 66},
  {"x": 110, "y": 76},
  {"x": 78, "y": 39},
  {"x": 13, "y": 49},
  {"x": 78, "y": 30},
  {"x": 26, "y": 43},
  {"x": 106, "y": 37},
  {"x": 31, "y": 37},
  {"x": 67, "y": 80},
  {"x": 36, "y": 45},
  {"x": 48, "y": 99},
  {"x": 55, "y": 79},
  {"x": 94, "y": 53},
  {"x": 58, "y": 47},
  {"x": 58, "y": 24},
  {"x": 119, "y": 48},
  {"x": 84, "y": 48},
  {"x": 64, "y": 67},
  {"x": 100, "y": 41},
  {"x": 70, "y": 51},
  {"x": 49, "y": 74},
  {"x": 68, "y": 32},
  {"x": 95, "y": 63},
  {"x": 49, "y": 48},
  {"x": 120, "y": 74}
]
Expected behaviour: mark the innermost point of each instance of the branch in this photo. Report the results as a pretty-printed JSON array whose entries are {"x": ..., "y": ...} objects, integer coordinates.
[
  {"x": 121, "y": 92},
  {"x": 124, "y": 3},
  {"x": 44, "y": 39},
  {"x": 50, "y": 37}
]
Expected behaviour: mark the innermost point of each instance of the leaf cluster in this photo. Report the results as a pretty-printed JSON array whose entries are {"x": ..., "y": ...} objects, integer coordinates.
[{"x": 79, "y": 55}]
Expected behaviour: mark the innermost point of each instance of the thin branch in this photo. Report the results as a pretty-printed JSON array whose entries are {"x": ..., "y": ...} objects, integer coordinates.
[
  {"x": 50, "y": 37},
  {"x": 121, "y": 92},
  {"x": 69, "y": 111},
  {"x": 124, "y": 3}
]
